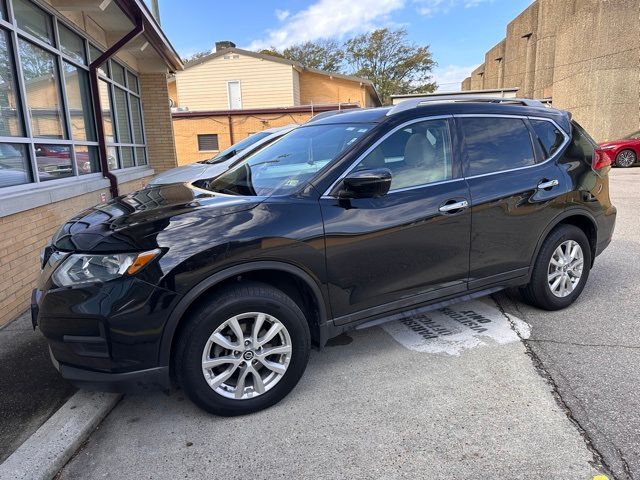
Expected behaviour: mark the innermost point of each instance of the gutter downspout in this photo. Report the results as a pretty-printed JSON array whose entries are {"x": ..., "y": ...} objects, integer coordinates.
[
  {"x": 97, "y": 107},
  {"x": 230, "y": 120}
]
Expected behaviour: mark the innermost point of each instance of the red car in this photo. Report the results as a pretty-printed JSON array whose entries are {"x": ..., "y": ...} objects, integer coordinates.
[{"x": 623, "y": 152}]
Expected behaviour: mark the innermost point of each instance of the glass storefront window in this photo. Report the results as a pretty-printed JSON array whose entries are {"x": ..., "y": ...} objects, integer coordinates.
[
  {"x": 136, "y": 120},
  {"x": 79, "y": 103},
  {"x": 126, "y": 154},
  {"x": 117, "y": 73},
  {"x": 54, "y": 161},
  {"x": 105, "y": 103},
  {"x": 94, "y": 54},
  {"x": 141, "y": 155},
  {"x": 112, "y": 158},
  {"x": 132, "y": 82},
  {"x": 43, "y": 91},
  {"x": 10, "y": 118},
  {"x": 87, "y": 159},
  {"x": 120, "y": 105},
  {"x": 47, "y": 118},
  {"x": 33, "y": 20},
  {"x": 72, "y": 44},
  {"x": 14, "y": 164}
]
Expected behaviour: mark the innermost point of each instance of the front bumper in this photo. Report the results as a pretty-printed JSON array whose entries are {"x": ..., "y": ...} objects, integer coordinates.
[{"x": 106, "y": 337}]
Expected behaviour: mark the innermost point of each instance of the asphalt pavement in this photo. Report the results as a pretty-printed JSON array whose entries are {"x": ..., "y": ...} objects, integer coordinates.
[
  {"x": 592, "y": 350},
  {"x": 32, "y": 389}
]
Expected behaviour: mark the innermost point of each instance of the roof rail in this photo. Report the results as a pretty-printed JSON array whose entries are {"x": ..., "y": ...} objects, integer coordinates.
[{"x": 416, "y": 102}]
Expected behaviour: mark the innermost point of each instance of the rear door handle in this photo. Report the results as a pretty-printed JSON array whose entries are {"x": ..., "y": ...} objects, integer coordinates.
[
  {"x": 452, "y": 206},
  {"x": 548, "y": 184}
]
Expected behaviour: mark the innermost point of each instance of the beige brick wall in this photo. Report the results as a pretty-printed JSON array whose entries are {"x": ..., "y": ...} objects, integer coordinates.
[
  {"x": 157, "y": 121},
  {"x": 186, "y": 130},
  {"x": 22, "y": 237}
]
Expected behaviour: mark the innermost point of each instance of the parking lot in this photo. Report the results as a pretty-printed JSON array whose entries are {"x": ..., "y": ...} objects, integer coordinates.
[{"x": 433, "y": 397}]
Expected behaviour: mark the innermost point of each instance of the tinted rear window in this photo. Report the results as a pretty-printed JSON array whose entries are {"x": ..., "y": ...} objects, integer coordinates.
[
  {"x": 496, "y": 144},
  {"x": 549, "y": 136}
]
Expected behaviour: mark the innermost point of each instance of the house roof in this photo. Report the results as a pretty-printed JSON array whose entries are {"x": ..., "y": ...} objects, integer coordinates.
[{"x": 271, "y": 58}]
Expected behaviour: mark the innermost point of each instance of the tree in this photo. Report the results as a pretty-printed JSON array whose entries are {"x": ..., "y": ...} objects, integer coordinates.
[
  {"x": 196, "y": 56},
  {"x": 273, "y": 51},
  {"x": 323, "y": 54},
  {"x": 391, "y": 62}
]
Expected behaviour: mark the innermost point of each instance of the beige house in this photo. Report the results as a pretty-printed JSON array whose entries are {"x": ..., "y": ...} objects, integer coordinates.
[
  {"x": 231, "y": 93},
  {"x": 84, "y": 116}
]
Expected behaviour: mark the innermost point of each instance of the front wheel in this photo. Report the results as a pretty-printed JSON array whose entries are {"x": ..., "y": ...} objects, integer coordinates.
[
  {"x": 626, "y": 158},
  {"x": 560, "y": 270},
  {"x": 243, "y": 351}
]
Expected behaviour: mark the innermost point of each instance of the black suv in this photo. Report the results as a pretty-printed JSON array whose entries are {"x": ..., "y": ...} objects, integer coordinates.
[{"x": 224, "y": 284}]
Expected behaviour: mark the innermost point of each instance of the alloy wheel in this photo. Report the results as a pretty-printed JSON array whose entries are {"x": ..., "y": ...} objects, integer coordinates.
[
  {"x": 625, "y": 158},
  {"x": 247, "y": 355},
  {"x": 565, "y": 268}
]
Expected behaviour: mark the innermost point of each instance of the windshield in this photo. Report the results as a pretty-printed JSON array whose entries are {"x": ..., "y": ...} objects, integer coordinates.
[
  {"x": 289, "y": 162},
  {"x": 633, "y": 135},
  {"x": 237, "y": 147}
]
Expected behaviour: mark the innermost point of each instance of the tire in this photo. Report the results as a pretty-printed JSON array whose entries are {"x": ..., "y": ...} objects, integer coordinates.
[
  {"x": 196, "y": 345},
  {"x": 539, "y": 291},
  {"x": 626, "y": 158}
]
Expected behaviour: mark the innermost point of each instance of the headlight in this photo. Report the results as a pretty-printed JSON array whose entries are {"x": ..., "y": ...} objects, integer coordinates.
[{"x": 80, "y": 268}]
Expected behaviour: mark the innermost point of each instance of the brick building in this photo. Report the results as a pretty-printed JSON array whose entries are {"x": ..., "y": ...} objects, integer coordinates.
[
  {"x": 584, "y": 55},
  {"x": 225, "y": 96},
  {"x": 84, "y": 115}
]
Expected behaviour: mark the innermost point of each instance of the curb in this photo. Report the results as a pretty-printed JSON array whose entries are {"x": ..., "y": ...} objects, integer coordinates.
[{"x": 48, "y": 450}]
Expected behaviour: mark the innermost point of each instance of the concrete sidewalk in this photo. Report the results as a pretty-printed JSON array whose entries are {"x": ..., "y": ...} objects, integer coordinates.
[
  {"x": 377, "y": 404},
  {"x": 32, "y": 390}
]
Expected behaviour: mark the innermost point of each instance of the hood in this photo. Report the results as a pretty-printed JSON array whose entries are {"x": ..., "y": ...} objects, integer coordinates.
[
  {"x": 617, "y": 143},
  {"x": 191, "y": 173},
  {"x": 132, "y": 222}
]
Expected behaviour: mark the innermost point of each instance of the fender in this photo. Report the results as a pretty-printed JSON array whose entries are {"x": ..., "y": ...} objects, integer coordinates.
[
  {"x": 573, "y": 212},
  {"x": 193, "y": 294}
]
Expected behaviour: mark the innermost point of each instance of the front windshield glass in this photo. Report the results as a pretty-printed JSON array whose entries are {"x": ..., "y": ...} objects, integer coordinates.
[
  {"x": 633, "y": 135},
  {"x": 289, "y": 162},
  {"x": 237, "y": 147}
]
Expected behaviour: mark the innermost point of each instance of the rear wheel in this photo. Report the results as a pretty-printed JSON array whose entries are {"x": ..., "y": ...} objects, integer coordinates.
[
  {"x": 626, "y": 158},
  {"x": 561, "y": 269},
  {"x": 243, "y": 351}
]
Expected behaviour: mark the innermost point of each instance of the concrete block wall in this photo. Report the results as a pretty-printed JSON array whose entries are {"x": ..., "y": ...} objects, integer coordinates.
[{"x": 584, "y": 54}]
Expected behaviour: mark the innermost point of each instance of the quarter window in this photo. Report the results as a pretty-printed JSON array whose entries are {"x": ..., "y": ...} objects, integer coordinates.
[
  {"x": 549, "y": 136},
  {"x": 418, "y": 154},
  {"x": 495, "y": 144}
]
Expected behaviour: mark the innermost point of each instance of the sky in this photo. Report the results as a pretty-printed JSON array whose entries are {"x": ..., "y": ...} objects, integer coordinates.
[{"x": 459, "y": 32}]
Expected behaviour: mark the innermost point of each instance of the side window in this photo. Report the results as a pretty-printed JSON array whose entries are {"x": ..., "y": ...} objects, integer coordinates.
[
  {"x": 416, "y": 155},
  {"x": 549, "y": 136},
  {"x": 494, "y": 144}
]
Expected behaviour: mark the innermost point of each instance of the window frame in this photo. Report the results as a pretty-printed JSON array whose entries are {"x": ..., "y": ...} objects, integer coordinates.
[
  {"x": 16, "y": 34},
  {"x": 538, "y": 156},
  {"x": 457, "y": 173},
  {"x": 208, "y": 135}
]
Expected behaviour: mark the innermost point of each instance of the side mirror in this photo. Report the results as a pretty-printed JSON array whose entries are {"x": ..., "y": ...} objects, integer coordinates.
[{"x": 366, "y": 184}]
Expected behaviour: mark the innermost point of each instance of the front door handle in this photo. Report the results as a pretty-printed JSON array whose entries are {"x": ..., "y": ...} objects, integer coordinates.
[
  {"x": 545, "y": 184},
  {"x": 453, "y": 206}
]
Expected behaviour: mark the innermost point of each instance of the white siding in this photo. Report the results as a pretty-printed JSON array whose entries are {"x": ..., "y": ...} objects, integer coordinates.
[
  {"x": 263, "y": 83},
  {"x": 296, "y": 87}
]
